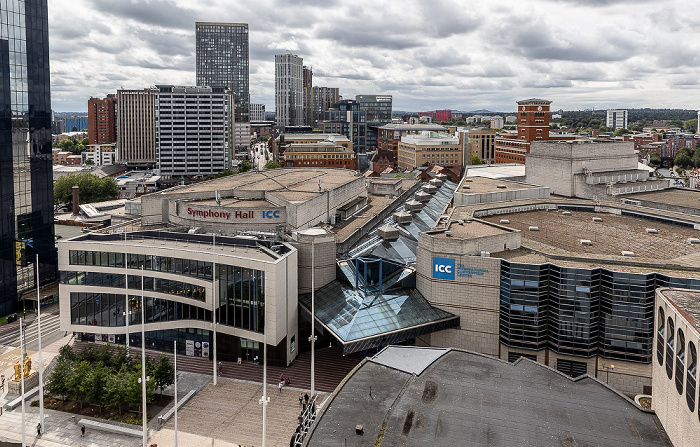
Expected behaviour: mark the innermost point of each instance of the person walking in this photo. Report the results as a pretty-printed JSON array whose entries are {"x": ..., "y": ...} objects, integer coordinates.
[
  {"x": 38, "y": 429},
  {"x": 82, "y": 431},
  {"x": 221, "y": 368},
  {"x": 306, "y": 398},
  {"x": 301, "y": 399}
]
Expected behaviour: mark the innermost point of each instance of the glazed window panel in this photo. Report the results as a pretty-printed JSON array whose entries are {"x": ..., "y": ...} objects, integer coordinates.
[
  {"x": 670, "y": 348},
  {"x": 680, "y": 361},
  {"x": 691, "y": 376},
  {"x": 660, "y": 337}
]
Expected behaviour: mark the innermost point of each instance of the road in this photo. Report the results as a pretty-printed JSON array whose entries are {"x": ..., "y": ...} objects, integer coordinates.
[
  {"x": 257, "y": 155},
  {"x": 50, "y": 331}
]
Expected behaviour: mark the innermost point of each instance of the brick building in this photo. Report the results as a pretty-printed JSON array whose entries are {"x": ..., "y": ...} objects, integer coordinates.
[
  {"x": 102, "y": 122},
  {"x": 321, "y": 154},
  {"x": 389, "y": 135}
]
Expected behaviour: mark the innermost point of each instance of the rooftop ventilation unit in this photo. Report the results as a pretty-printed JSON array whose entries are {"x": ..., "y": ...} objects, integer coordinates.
[
  {"x": 693, "y": 240},
  {"x": 501, "y": 186},
  {"x": 627, "y": 253},
  {"x": 466, "y": 187},
  {"x": 468, "y": 180},
  {"x": 566, "y": 213},
  {"x": 485, "y": 254},
  {"x": 460, "y": 221},
  {"x": 448, "y": 233},
  {"x": 597, "y": 219},
  {"x": 586, "y": 242},
  {"x": 652, "y": 231},
  {"x": 534, "y": 228},
  {"x": 505, "y": 221}
]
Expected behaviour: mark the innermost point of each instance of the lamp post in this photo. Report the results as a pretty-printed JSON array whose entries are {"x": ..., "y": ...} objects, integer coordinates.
[
  {"x": 175, "y": 360},
  {"x": 213, "y": 316},
  {"x": 41, "y": 362},
  {"x": 264, "y": 400},
  {"x": 126, "y": 288},
  {"x": 143, "y": 364},
  {"x": 312, "y": 338},
  {"x": 608, "y": 368},
  {"x": 21, "y": 370}
]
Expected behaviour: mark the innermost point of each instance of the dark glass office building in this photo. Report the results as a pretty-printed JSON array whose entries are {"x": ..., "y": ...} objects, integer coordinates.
[
  {"x": 582, "y": 312},
  {"x": 223, "y": 61},
  {"x": 26, "y": 183}
]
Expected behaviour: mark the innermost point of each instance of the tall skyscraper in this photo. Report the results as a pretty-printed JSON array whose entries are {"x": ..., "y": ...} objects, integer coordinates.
[
  {"x": 308, "y": 100},
  {"x": 102, "y": 123},
  {"x": 223, "y": 59},
  {"x": 289, "y": 95},
  {"x": 136, "y": 127},
  {"x": 193, "y": 130},
  {"x": 322, "y": 99},
  {"x": 26, "y": 181}
]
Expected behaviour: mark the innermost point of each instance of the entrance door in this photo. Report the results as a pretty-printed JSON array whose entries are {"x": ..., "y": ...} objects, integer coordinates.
[{"x": 250, "y": 351}]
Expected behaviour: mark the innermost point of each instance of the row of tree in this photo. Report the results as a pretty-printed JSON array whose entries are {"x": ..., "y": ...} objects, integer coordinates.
[
  {"x": 102, "y": 378},
  {"x": 74, "y": 146},
  {"x": 687, "y": 158},
  {"x": 91, "y": 187}
]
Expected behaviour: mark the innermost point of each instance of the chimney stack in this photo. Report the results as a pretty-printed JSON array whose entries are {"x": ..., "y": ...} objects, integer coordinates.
[{"x": 76, "y": 200}]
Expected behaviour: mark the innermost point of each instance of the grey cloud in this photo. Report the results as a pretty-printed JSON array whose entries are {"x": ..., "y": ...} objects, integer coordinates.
[
  {"x": 163, "y": 13},
  {"x": 367, "y": 38}
]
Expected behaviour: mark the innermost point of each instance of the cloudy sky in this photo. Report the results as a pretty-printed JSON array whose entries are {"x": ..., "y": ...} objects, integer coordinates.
[{"x": 430, "y": 54}]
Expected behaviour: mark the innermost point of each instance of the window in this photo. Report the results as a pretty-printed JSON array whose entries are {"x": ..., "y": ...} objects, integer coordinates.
[
  {"x": 680, "y": 362},
  {"x": 660, "y": 338},
  {"x": 670, "y": 349},
  {"x": 691, "y": 376}
]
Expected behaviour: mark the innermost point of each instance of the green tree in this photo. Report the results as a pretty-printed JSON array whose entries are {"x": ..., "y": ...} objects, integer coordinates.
[
  {"x": 620, "y": 132},
  {"x": 690, "y": 125},
  {"x": 696, "y": 159},
  {"x": 89, "y": 162},
  {"x": 77, "y": 382},
  {"x": 57, "y": 382},
  {"x": 655, "y": 159},
  {"x": 245, "y": 166},
  {"x": 95, "y": 382},
  {"x": 272, "y": 164},
  {"x": 682, "y": 160},
  {"x": 476, "y": 160},
  {"x": 163, "y": 374},
  {"x": 117, "y": 388},
  {"x": 133, "y": 390},
  {"x": 224, "y": 173},
  {"x": 91, "y": 187}
]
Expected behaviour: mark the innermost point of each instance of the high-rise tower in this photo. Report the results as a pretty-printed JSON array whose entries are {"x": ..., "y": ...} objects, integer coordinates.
[
  {"x": 26, "y": 181},
  {"x": 289, "y": 95}
]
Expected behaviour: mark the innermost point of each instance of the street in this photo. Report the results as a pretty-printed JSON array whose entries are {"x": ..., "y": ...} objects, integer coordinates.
[{"x": 257, "y": 155}]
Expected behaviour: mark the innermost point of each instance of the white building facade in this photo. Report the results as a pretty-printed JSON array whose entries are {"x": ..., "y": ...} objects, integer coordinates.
[
  {"x": 616, "y": 119},
  {"x": 289, "y": 92}
]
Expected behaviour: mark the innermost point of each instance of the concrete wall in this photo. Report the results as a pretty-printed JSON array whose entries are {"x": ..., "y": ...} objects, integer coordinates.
[
  {"x": 474, "y": 299},
  {"x": 324, "y": 258},
  {"x": 681, "y": 424},
  {"x": 466, "y": 198},
  {"x": 281, "y": 299},
  {"x": 475, "y": 245}
]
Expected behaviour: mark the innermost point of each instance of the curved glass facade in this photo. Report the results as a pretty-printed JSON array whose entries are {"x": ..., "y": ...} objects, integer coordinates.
[
  {"x": 26, "y": 181},
  {"x": 582, "y": 312}
]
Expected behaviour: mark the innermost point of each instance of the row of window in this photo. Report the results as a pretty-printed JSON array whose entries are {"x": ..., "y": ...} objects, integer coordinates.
[
  {"x": 580, "y": 311},
  {"x": 189, "y": 267},
  {"x": 670, "y": 346}
]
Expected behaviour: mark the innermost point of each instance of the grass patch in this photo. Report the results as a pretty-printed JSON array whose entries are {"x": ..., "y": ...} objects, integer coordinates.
[{"x": 3, "y": 320}]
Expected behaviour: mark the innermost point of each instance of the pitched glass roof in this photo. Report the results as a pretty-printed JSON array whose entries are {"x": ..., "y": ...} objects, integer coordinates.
[{"x": 360, "y": 322}]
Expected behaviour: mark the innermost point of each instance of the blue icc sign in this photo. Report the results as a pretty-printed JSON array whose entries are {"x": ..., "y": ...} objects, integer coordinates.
[{"x": 444, "y": 268}]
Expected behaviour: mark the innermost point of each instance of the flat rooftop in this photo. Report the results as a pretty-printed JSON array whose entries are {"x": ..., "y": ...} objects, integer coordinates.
[
  {"x": 674, "y": 196},
  {"x": 471, "y": 228},
  {"x": 427, "y": 397},
  {"x": 294, "y": 184},
  {"x": 497, "y": 171},
  {"x": 615, "y": 233},
  {"x": 688, "y": 301},
  {"x": 480, "y": 185}
]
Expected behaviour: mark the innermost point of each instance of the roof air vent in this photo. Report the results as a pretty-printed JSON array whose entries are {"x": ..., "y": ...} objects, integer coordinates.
[
  {"x": 652, "y": 231},
  {"x": 501, "y": 186},
  {"x": 597, "y": 219},
  {"x": 627, "y": 253},
  {"x": 534, "y": 228},
  {"x": 505, "y": 221}
]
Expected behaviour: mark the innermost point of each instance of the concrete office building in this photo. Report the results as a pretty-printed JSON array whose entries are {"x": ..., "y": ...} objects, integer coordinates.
[
  {"x": 136, "y": 128},
  {"x": 283, "y": 140},
  {"x": 222, "y": 60},
  {"x": 389, "y": 136},
  {"x": 100, "y": 154},
  {"x": 246, "y": 288},
  {"x": 434, "y": 148},
  {"x": 322, "y": 99},
  {"x": 257, "y": 112},
  {"x": 102, "y": 127},
  {"x": 289, "y": 92},
  {"x": 193, "y": 130},
  {"x": 479, "y": 142},
  {"x": 616, "y": 119},
  {"x": 26, "y": 183}
]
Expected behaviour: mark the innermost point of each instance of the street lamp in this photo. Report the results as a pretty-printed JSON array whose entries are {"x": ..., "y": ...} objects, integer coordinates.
[
  {"x": 21, "y": 370},
  {"x": 607, "y": 369},
  {"x": 175, "y": 360},
  {"x": 41, "y": 362},
  {"x": 143, "y": 364},
  {"x": 312, "y": 338}
]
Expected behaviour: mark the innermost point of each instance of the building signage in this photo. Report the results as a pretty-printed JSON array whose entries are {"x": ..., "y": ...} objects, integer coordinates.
[
  {"x": 469, "y": 271},
  {"x": 228, "y": 214},
  {"x": 443, "y": 268}
]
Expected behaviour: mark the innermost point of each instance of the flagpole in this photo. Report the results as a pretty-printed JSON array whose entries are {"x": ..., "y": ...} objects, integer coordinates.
[
  {"x": 21, "y": 366},
  {"x": 175, "y": 356}
]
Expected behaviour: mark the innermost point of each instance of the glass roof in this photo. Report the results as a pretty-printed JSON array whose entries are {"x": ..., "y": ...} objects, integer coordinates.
[{"x": 352, "y": 317}]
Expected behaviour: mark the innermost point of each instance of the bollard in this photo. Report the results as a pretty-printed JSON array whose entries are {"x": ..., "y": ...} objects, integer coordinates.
[
  {"x": 160, "y": 420},
  {"x": 73, "y": 417}
]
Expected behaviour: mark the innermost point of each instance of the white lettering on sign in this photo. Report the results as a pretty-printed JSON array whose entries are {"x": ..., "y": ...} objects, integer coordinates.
[{"x": 443, "y": 268}]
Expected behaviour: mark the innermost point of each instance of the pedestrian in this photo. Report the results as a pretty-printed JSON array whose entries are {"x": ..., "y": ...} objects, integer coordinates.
[
  {"x": 38, "y": 429},
  {"x": 221, "y": 368},
  {"x": 82, "y": 431},
  {"x": 301, "y": 399},
  {"x": 282, "y": 377},
  {"x": 280, "y": 386},
  {"x": 306, "y": 398}
]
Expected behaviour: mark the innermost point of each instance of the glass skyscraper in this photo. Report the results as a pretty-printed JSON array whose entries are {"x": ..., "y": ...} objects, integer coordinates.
[
  {"x": 26, "y": 183},
  {"x": 223, "y": 61}
]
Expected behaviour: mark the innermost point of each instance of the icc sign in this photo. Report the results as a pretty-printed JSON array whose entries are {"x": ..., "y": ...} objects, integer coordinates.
[{"x": 444, "y": 268}]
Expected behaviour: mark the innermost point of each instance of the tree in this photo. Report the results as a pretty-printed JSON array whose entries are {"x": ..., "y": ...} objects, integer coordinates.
[
  {"x": 117, "y": 387},
  {"x": 696, "y": 159},
  {"x": 682, "y": 160},
  {"x": 163, "y": 374},
  {"x": 57, "y": 382},
  {"x": 655, "y": 159},
  {"x": 77, "y": 381},
  {"x": 89, "y": 162},
  {"x": 690, "y": 125},
  {"x": 476, "y": 160},
  {"x": 95, "y": 382},
  {"x": 245, "y": 166},
  {"x": 91, "y": 188},
  {"x": 620, "y": 132},
  {"x": 272, "y": 164}
]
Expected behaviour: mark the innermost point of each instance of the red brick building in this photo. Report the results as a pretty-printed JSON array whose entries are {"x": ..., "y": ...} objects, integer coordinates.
[
  {"x": 102, "y": 123},
  {"x": 442, "y": 115}
]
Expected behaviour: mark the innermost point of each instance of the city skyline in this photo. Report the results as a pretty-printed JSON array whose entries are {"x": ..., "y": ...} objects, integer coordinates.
[{"x": 594, "y": 54}]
